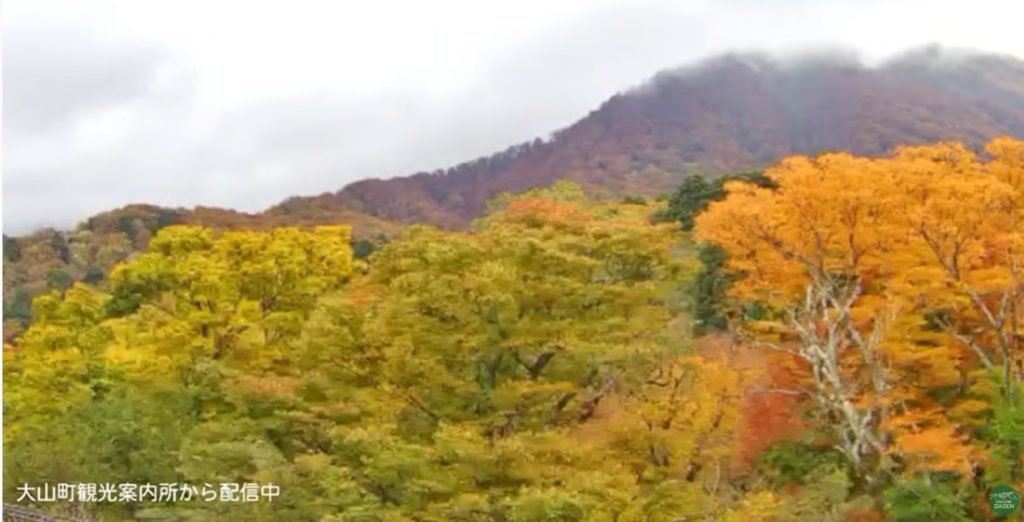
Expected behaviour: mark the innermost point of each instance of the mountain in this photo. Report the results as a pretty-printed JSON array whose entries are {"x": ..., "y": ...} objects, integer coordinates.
[
  {"x": 731, "y": 113},
  {"x": 728, "y": 114}
]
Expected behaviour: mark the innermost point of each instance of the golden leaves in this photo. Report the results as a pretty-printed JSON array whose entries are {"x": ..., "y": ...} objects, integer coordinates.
[
  {"x": 938, "y": 448},
  {"x": 932, "y": 240}
]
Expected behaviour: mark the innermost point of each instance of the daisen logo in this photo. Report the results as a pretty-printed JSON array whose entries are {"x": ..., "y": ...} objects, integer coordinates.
[{"x": 1003, "y": 500}]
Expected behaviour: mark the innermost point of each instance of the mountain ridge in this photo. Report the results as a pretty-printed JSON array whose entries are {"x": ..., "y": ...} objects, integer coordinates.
[
  {"x": 732, "y": 113},
  {"x": 729, "y": 113}
]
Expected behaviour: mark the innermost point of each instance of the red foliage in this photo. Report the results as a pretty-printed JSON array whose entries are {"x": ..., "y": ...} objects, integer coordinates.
[{"x": 770, "y": 414}]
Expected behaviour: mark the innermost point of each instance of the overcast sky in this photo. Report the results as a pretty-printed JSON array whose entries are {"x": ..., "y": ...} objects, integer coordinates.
[{"x": 241, "y": 104}]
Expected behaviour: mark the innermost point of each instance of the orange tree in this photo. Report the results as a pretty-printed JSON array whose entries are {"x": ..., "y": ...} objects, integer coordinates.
[{"x": 894, "y": 284}]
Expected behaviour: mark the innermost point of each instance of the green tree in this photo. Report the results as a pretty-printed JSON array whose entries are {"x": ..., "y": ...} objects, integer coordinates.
[
  {"x": 58, "y": 279},
  {"x": 690, "y": 199},
  {"x": 12, "y": 250}
]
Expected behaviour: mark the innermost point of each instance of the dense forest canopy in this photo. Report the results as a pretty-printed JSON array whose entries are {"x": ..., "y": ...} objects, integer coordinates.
[{"x": 836, "y": 338}]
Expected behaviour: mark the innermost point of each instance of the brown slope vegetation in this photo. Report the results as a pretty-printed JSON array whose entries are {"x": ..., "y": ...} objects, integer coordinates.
[{"x": 729, "y": 114}]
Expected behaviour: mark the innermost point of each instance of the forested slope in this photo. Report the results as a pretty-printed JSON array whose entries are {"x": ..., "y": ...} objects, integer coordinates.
[
  {"x": 546, "y": 364},
  {"x": 728, "y": 114}
]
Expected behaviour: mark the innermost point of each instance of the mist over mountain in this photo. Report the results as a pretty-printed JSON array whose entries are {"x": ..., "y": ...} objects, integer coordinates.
[{"x": 730, "y": 113}]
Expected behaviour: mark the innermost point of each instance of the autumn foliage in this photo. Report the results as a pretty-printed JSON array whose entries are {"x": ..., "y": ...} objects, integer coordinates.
[
  {"x": 895, "y": 282},
  {"x": 528, "y": 369},
  {"x": 544, "y": 365}
]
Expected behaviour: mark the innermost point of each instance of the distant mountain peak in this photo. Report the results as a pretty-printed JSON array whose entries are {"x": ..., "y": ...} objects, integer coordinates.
[{"x": 732, "y": 112}]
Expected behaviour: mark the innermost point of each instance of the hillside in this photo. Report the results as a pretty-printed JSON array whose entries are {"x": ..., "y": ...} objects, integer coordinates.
[
  {"x": 728, "y": 114},
  {"x": 553, "y": 363},
  {"x": 48, "y": 259}
]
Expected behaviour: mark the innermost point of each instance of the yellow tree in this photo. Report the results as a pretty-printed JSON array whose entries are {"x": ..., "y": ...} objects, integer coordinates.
[
  {"x": 240, "y": 293},
  {"x": 504, "y": 373}
]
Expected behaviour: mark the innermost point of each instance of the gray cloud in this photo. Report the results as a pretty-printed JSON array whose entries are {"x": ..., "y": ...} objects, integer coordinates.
[
  {"x": 95, "y": 120},
  {"x": 55, "y": 71}
]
